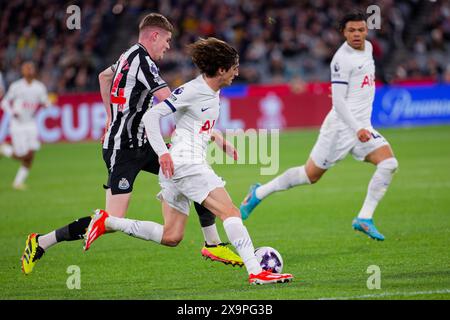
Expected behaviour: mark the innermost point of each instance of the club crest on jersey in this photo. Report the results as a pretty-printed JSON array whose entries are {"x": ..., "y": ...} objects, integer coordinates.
[
  {"x": 124, "y": 184},
  {"x": 178, "y": 90},
  {"x": 336, "y": 67}
]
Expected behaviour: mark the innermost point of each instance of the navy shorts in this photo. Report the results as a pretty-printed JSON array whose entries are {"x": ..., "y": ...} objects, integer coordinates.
[{"x": 124, "y": 165}]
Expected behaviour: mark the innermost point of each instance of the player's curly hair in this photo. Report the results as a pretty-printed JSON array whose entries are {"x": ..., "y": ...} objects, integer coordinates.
[{"x": 211, "y": 54}]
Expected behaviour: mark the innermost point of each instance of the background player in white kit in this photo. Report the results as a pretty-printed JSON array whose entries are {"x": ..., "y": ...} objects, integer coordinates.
[
  {"x": 21, "y": 101},
  {"x": 346, "y": 129},
  {"x": 188, "y": 177}
]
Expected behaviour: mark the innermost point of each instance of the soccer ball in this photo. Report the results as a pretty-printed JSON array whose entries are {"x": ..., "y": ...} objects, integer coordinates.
[{"x": 269, "y": 258}]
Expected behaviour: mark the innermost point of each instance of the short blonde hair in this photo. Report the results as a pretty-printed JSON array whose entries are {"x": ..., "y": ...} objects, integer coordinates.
[{"x": 155, "y": 20}]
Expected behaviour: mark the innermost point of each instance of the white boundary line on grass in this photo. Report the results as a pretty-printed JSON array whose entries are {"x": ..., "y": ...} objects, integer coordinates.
[{"x": 390, "y": 294}]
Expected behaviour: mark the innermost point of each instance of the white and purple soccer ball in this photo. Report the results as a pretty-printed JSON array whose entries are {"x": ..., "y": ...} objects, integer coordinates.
[{"x": 269, "y": 259}]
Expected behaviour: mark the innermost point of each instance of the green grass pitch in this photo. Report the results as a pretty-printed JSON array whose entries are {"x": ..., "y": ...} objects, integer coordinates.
[{"x": 309, "y": 225}]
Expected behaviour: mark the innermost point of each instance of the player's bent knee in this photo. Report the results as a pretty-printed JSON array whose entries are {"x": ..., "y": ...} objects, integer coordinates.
[
  {"x": 390, "y": 164},
  {"x": 171, "y": 238},
  {"x": 171, "y": 241},
  {"x": 230, "y": 212},
  {"x": 313, "y": 177}
]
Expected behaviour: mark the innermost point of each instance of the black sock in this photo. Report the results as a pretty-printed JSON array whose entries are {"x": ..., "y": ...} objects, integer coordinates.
[
  {"x": 73, "y": 231},
  {"x": 206, "y": 217}
]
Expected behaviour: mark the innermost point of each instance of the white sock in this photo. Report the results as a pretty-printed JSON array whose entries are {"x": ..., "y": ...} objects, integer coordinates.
[
  {"x": 21, "y": 175},
  {"x": 146, "y": 230},
  {"x": 290, "y": 178},
  {"x": 211, "y": 235},
  {"x": 378, "y": 185},
  {"x": 47, "y": 240},
  {"x": 7, "y": 150},
  {"x": 238, "y": 235}
]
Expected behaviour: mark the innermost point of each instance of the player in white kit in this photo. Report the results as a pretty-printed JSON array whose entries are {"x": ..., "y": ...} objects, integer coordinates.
[
  {"x": 21, "y": 101},
  {"x": 347, "y": 129},
  {"x": 185, "y": 175}
]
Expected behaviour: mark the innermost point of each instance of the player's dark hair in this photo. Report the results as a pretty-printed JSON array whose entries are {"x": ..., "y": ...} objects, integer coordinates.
[
  {"x": 155, "y": 20},
  {"x": 211, "y": 54},
  {"x": 356, "y": 15}
]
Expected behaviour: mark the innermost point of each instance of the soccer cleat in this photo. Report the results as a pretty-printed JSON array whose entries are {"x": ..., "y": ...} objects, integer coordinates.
[
  {"x": 221, "y": 253},
  {"x": 96, "y": 228},
  {"x": 3, "y": 150},
  {"x": 366, "y": 226},
  {"x": 32, "y": 253},
  {"x": 266, "y": 277},
  {"x": 250, "y": 202},
  {"x": 20, "y": 186}
]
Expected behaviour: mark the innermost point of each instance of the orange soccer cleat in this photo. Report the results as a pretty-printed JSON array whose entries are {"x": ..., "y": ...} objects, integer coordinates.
[
  {"x": 266, "y": 277},
  {"x": 96, "y": 228}
]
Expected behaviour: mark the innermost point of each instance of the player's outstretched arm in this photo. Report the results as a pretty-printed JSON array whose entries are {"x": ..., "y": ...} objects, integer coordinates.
[{"x": 226, "y": 146}]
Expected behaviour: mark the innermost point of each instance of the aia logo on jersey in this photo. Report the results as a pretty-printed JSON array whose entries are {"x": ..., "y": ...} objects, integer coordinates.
[
  {"x": 369, "y": 80},
  {"x": 207, "y": 127}
]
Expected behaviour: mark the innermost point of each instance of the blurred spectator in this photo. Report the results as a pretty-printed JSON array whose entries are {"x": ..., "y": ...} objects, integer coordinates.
[
  {"x": 67, "y": 60},
  {"x": 430, "y": 51},
  {"x": 277, "y": 40}
]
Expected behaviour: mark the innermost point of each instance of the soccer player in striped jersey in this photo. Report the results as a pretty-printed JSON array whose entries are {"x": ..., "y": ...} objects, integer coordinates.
[
  {"x": 346, "y": 129},
  {"x": 128, "y": 89},
  {"x": 185, "y": 175}
]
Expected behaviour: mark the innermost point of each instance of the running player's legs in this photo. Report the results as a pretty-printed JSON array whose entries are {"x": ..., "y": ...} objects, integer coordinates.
[
  {"x": 220, "y": 203},
  {"x": 378, "y": 152},
  {"x": 174, "y": 225},
  {"x": 313, "y": 172},
  {"x": 123, "y": 167},
  {"x": 19, "y": 139},
  {"x": 24, "y": 142},
  {"x": 122, "y": 171},
  {"x": 206, "y": 217},
  {"x": 331, "y": 146},
  {"x": 117, "y": 204},
  {"x": 175, "y": 207}
]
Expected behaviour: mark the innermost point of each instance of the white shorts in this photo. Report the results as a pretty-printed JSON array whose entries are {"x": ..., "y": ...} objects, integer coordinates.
[
  {"x": 24, "y": 138},
  {"x": 335, "y": 143},
  {"x": 195, "y": 183}
]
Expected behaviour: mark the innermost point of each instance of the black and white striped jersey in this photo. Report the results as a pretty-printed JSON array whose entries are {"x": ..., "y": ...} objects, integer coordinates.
[{"x": 136, "y": 78}]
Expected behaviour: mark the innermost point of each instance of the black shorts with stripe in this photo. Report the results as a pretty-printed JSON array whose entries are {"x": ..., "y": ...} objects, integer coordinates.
[{"x": 124, "y": 165}]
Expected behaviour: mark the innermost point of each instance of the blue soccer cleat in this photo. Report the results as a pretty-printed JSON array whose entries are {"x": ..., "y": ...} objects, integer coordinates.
[
  {"x": 366, "y": 226},
  {"x": 250, "y": 202}
]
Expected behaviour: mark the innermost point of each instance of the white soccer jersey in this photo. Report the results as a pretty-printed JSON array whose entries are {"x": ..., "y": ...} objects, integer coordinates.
[
  {"x": 196, "y": 108},
  {"x": 356, "y": 70},
  {"x": 23, "y": 98}
]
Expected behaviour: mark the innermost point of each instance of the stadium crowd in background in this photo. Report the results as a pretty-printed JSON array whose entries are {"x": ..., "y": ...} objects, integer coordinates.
[{"x": 278, "y": 41}]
